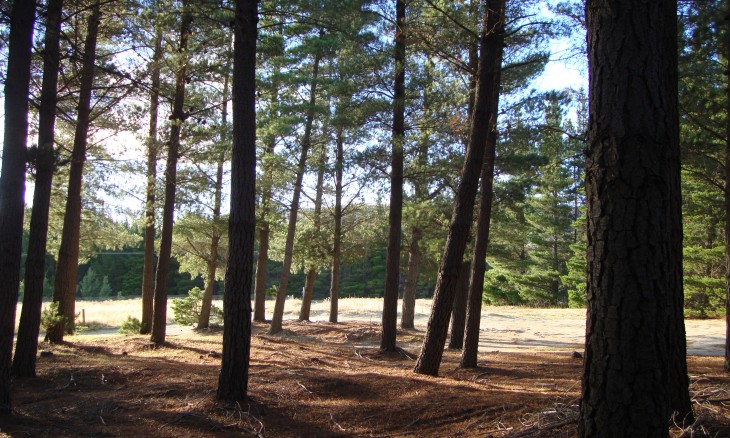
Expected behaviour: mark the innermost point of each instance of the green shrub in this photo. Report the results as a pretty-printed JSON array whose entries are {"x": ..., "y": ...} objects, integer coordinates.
[
  {"x": 131, "y": 326},
  {"x": 50, "y": 316},
  {"x": 186, "y": 310}
]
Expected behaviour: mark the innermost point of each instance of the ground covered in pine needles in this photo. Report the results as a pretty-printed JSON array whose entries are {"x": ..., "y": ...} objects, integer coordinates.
[{"x": 315, "y": 379}]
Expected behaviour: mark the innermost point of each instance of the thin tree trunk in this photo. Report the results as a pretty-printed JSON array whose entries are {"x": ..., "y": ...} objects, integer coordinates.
[
  {"x": 276, "y": 320},
  {"x": 24, "y": 361},
  {"x": 433, "y": 344},
  {"x": 408, "y": 308},
  {"x": 12, "y": 181},
  {"x": 159, "y": 319},
  {"x": 233, "y": 379},
  {"x": 312, "y": 273},
  {"x": 392, "y": 260},
  {"x": 337, "y": 238},
  {"x": 726, "y": 365},
  {"x": 632, "y": 369},
  {"x": 205, "y": 306},
  {"x": 64, "y": 291},
  {"x": 148, "y": 272},
  {"x": 458, "y": 311},
  {"x": 486, "y": 184}
]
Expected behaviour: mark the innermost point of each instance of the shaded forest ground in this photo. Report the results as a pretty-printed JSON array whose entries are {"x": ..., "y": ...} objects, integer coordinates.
[{"x": 317, "y": 379}]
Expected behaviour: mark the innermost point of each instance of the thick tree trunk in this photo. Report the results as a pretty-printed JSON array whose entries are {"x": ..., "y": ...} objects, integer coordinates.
[
  {"x": 433, "y": 344},
  {"x": 486, "y": 184},
  {"x": 64, "y": 291},
  {"x": 12, "y": 181},
  {"x": 148, "y": 271},
  {"x": 337, "y": 238},
  {"x": 276, "y": 320},
  {"x": 212, "y": 265},
  {"x": 392, "y": 260},
  {"x": 24, "y": 361},
  {"x": 233, "y": 379},
  {"x": 458, "y": 311},
  {"x": 159, "y": 319},
  {"x": 408, "y": 307},
  {"x": 312, "y": 273},
  {"x": 634, "y": 325}
]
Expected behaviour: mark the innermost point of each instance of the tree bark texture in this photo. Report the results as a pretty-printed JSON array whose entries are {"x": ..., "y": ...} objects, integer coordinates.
[
  {"x": 486, "y": 185},
  {"x": 459, "y": 229},
  {"x": 632, "y": 369},
  {"x": 64, "y": 290},
  {"x": 337, "y": 238},
  {"x": 12, "y": 181},
  {"x": 159, "y": 319},
  {"x": 408, "y": 307},
  {"x": 312, "y": 272},
  {"x": 276, "y": 319},
  {"x": 392, "y": 259},
  {"x": 212, "y": 265},
  {"x": 233, "y": 379},
  {"x": 458, "y": 310},
  {"x": 24, "y": 361},
  {"x": 148, "y": 270}
]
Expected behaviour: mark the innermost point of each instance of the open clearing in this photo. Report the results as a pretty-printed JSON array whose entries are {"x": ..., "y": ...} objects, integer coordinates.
[{"x": 322, "y": 379}]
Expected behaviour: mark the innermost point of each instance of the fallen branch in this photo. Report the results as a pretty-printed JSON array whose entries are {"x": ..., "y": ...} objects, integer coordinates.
[{"x": 537, "y": 429}]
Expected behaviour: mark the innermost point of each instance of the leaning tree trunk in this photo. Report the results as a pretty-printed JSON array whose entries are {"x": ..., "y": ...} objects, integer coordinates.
[
  {"x": 233, "y": 379},
  {"x": 631, "y": 376},
  {"x": 276, "y": 320},
  {"x": 312, "y": 272},
  {"x": 212, "y": 264},
  {"x": 392, "y": 260},
  {"x": 433, "y": 344},
  {"x": 159, "y": 319},
  {"x": 148, "y": 271},
  {"x": 337, "y": 238},
  {"x": 486, "y": 184},
  {"x": 64, "y": 291},
  {"x": 24, "y": 361},
  {"x": 458, "y": 310},
  {"x": 12, "y": 181}
]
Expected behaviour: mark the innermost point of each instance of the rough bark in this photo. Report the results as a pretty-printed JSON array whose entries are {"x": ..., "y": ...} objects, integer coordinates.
[
  {"x": 148, "y": 270},
  {"x": 634, "y": 224},
  {"x": 312, "y": 272},
  {"x": 395, "y": 213},
  {"x": 233, "y": 379},
  {"x": 276, "y": 320},
  {"x": 337, "y": 238},
  {"x": 486, "y": 183},
  {"x": 458, "y": 311},
  {"x": 459, "y": 229},
  {"x": 12, "y": 181},
  {"x": 64, "y": 290},
  {"x": 159, "y": 318},
  {"x": 212, "y": 263},
  {"x": 24, "y": 361},
  {"x": 408, "y": 307}
]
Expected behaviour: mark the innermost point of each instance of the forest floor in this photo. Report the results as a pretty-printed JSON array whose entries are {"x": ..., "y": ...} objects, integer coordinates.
[{"x": 315, "y": 379}]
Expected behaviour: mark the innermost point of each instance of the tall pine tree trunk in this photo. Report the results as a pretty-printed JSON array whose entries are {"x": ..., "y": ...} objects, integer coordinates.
[
  {"x": 408, "y": 307},
  {"x": 276, "y": 320},
  {"x": 64, "y": 291},
  {"x": 148, "y": 271},
  {"x": 486, "y": 184},
  {"x": 458, "y": 311},
  {"x": 433, "y": 344},
  {"x": 159, "y": 319},
  {"x": 392, "y": 260},
  {"x": 12, "y": 181},
  {"x": 212, "y": 264},
  {"x": 632, "y": 368},
  {"x": 312, "y": 272},
  {"x": 24, "y": 361},
  {"x": 233, "y": 379},
  {"x": 337, "y": 238}
]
